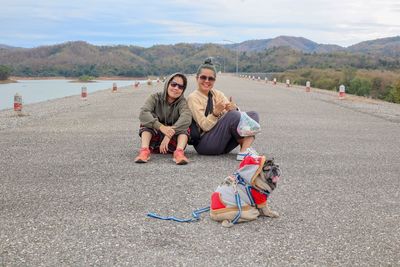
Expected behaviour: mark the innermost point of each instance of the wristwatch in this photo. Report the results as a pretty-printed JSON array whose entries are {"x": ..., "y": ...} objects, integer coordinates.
[{"x": 217, "y": 116}]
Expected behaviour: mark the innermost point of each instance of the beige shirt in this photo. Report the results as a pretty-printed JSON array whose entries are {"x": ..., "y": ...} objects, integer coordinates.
[{"x": 197, "y": 103}]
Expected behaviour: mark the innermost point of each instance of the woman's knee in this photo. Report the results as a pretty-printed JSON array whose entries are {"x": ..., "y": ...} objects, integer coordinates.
[
  {"x": 233, "y": 116},
  {"x": 253, "y": 115}
]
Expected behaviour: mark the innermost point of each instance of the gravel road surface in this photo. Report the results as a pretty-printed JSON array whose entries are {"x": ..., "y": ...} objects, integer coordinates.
[{"x": 71, "y": 194}]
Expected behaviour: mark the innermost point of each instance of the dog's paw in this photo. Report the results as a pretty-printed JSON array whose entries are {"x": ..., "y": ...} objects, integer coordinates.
[
  {"x": 273, "y": 214},
  {"x": 227, "y": 224},
  {"x": 266, "y": 211}
]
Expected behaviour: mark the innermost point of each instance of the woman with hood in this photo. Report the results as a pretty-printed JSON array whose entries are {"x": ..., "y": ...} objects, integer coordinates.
[{"x": 164, "y": 122}]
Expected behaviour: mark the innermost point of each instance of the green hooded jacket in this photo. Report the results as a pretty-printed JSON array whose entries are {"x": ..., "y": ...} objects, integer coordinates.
[{"x": 156, "y": 111}]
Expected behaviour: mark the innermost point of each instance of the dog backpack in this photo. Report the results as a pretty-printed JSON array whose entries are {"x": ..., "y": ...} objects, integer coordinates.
[{"x": 239, "y": 187}]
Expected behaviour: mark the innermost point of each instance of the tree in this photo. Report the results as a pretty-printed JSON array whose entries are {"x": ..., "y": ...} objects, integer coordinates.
[
  {"x": 348, "y": 75},
  {"x": 5, "y": 72},
  {"x": 359, "y": 86},
  {"x": 86, "y": 78},
  {"x": 394, "y": 93}
]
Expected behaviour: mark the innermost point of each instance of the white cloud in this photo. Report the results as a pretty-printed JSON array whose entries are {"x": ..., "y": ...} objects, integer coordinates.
[
  {"x": 340, "y": 22},
  {"x": 186, "y": 29}
]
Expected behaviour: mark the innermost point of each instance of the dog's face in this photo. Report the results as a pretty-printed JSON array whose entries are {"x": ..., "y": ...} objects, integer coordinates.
[{"x": 269, "y": 176}]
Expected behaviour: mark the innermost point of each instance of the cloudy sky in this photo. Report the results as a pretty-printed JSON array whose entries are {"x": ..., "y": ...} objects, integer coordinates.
[{"x": 28, "y": 23}]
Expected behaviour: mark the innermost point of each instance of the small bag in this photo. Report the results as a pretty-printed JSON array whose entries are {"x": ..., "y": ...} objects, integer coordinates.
[
  {"x": 247, "y": 126},
  {"x": 194, "y": 138}
]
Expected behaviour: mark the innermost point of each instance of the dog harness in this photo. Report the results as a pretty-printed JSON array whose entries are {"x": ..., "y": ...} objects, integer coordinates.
[{"x": 236, "y": 191}]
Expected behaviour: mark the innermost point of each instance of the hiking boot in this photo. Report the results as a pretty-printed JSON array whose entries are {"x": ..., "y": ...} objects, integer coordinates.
[
  {"x": 179, "y": 157},
  {"x": 248, "y": 152},
  {"x": 144, "y": 155}
]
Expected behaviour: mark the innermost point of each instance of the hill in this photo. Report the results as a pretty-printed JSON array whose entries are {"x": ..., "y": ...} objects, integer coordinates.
[
  {"x": 269, "y": 55},
  {"x": 3, "y": 46},
  {"x": 8, "y": 47},
  {"x": 385, "y": 46},
  {"x": 295, "y": 43}
]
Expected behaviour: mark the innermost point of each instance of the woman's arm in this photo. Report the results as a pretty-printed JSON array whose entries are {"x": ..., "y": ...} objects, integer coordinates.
[
  {"x": 197, "y": 108},
  {"x": 146, "y": 117},
  {"x": 185, "y": 118}
]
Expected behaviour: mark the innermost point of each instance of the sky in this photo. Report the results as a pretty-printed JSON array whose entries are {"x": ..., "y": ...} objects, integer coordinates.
[{"x": 32, "y": 23}]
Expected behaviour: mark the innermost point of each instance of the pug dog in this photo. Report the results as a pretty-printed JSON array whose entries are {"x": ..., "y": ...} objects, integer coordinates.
[{"x": 242, "y": 197}]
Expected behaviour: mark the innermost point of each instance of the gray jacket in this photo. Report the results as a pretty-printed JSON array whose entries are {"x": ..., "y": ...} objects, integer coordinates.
[{"x": 156, "y": 111}]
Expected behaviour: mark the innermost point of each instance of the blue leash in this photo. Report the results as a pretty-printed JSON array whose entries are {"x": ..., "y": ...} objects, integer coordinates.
[
  {"x": 195, "y": 216},
  {"x": 196, "y": 213}
]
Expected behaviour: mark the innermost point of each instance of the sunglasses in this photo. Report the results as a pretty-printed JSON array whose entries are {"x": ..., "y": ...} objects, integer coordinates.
[
  {"x": 175, "y": 84},
  {"x": 207, "y": 78}
]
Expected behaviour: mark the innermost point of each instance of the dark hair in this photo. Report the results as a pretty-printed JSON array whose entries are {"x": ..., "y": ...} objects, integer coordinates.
[{"x": 208, "y": 64}]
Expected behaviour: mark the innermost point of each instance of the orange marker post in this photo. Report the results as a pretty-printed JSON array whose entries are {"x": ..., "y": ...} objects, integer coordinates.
[
  {"x": 84, "y": 93},
  {"x": 308, "y": 86},
  {"x": 342, "y": 91},
  {"x": 18, "y": 103}
]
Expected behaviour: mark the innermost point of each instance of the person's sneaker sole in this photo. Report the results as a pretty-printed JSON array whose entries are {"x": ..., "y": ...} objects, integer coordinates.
[
  {"x": 182, "y": 162},
  {"x": 142, "y": 160}
]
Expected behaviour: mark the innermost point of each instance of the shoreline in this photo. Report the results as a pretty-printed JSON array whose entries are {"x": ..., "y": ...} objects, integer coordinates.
[
  {"x": 105, "y": 78},
  {"x": 14, "y": 79},
  {"x": 36, "y": 111},
  {"x": 8, "y": 81}
]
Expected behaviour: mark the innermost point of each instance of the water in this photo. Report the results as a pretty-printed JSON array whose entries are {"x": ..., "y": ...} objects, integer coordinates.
[{"x": 34, "y": 91}]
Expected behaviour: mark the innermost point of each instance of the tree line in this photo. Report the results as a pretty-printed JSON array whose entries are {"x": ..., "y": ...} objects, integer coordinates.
[
  {"x": 363, "y": 74},
  {"x": 379, "y": 84}
]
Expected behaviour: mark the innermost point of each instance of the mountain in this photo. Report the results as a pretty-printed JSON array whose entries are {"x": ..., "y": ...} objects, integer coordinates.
[
  {"x": 7, "y": 47},
  {"x": 385, "y": 46},
  {"x": 3, "y": 46},
  {"x": 81, "y": 58},
  {"x": 269, "y": 55},
  {"x": 295, "y": 43}
]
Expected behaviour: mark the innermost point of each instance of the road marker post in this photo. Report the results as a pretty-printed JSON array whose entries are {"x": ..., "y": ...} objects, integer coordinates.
[
  {"x": 342, "y": 91},
  {"x": 84, "y": 93},
  {"x": 308, "y": 86}
]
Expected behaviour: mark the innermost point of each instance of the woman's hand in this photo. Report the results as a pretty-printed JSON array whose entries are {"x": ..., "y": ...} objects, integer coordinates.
[
  {"x": 231, "y": 105},
  {"x": 219, "y": 107},
  {"x": 164, "y": 145},
  {"x": 168, "y": 130}
]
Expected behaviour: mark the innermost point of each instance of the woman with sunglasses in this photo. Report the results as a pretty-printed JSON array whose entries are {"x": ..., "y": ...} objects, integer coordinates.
[
  {"x": 217, "y": 117},
  {"x": 164, "y": 122}
]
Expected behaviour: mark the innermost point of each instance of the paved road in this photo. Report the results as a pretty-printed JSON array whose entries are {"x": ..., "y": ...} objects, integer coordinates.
[{"x": 72, "y": 195}]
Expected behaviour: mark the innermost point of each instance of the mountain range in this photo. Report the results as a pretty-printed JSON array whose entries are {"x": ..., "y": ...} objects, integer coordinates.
[
  {"x": 276, "y": 54},
  {"x": 387, "y": 46},
  {"x": 297, "y": 43}
]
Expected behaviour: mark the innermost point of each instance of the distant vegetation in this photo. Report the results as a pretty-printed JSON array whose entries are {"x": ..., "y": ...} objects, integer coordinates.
[
  {"x": 86, "y": 78},
  {"x": 378, "y": 84},
  {"x": 74, "y": 59},
  {"x": 369, "y": 68},
  {"x": 5, "y": 72}
]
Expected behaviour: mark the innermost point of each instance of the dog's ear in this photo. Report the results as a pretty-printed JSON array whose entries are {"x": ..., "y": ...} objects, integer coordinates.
[{"x": 268, "y": 164}]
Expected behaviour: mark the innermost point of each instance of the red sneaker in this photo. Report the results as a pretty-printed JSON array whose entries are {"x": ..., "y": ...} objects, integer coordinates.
[
  {"x": 144, "y": 155},
  {"x": 179, "y": 157}
]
